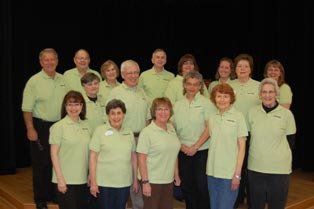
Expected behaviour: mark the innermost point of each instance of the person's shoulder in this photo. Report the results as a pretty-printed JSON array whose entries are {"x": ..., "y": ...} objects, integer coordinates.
[
  {"x": 69, "y": 71},
  {"x": 169, "y": 73}
]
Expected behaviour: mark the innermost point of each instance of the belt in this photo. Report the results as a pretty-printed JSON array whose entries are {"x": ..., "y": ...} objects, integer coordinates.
[
  {"x": 42, "y": 121},
  {"x": 136, "y": 134}
]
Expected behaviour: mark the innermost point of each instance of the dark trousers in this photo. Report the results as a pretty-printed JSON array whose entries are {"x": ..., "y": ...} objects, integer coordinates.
[
  {"x": 268, "y": 188},
  {"x": 161, "y": 197},
  {"x": 244, "y": 187},
  {"x": 192, "y": 171},
  {"x": 43, "y": 188},
  {"x": 75, "y": 198},
  {"x": 113, "y": 198}
]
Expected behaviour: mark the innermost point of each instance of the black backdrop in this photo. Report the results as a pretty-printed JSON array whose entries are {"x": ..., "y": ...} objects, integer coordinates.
[{"x": 132, "y": 29}]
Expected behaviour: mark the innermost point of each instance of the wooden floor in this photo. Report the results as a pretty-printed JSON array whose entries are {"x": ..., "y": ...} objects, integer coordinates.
[{"x": 16, "y": 191}]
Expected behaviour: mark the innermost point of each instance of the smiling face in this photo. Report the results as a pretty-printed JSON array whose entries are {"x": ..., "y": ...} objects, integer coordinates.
[
  {"x": 222, "y": 101},
  {"x": 162, "y": 113},
  {"x": 111, "y": 73},
  {"x": 116, "y": 117},
  {"x": 192, "y": 86},
  {"x": 268, "y": 95},
  {"x": 224, "y": 69},
  {"x": 243, "y": 69},
  {"x": 82, "y": 60},
  {"x": 131, "y": 75},
  {"x": 91, "y": 88},
  {"x": 273, "y": 72},
  {"x": 73, "y": 109},
  {"x": 49, "y": 62}
]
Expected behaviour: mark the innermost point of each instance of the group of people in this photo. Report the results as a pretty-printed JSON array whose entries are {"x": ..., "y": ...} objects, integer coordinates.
[{"x": 96, "y": 142}]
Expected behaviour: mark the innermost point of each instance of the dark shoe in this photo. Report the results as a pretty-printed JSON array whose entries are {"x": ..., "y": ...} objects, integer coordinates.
[{"x": 41, "y": 205}]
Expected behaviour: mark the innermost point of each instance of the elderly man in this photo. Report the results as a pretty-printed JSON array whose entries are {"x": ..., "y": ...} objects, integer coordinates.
[{"x": 137, "y": 110}]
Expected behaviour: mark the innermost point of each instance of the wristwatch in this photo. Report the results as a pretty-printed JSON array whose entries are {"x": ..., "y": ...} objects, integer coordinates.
[{"x": 145, "y": 181}]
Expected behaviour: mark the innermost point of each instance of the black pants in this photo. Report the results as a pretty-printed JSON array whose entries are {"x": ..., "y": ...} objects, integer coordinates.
[
  {"x": 268, "y": 188},
  {"x": 76, "y": 197},
  {"x": 41, "y": 163},
  {"x": 192, "y": 171}
]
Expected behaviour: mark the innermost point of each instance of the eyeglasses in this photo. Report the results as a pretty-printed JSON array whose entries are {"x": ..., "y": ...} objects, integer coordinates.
[
  {"x": 132, "y": 73},
  {"x": 82, "y": 58},
  {"x": 163, "y": 109}
]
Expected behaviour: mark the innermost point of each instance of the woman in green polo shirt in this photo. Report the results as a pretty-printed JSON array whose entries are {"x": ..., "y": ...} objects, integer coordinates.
[
  {"x": 190, "y": 119},
  {"x": 157, "y": 148},
  {"x": 113, "y": 162},
  {"x": 226, "y": 151},
  {"x": 270, "y": 159},
  {"x": 69, "y": 139},
  {"x": 274, "y": 69}
]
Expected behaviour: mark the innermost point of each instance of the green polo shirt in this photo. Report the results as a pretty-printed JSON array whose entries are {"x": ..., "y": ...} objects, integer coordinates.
[
  {"x": 43, "y": 96},
  {"x": 136, "y": 103},
  {"x": 215, "y": 83},
  {"x": 285, "y": 94},
  {"x": 72, "y": 79},
  {"x": 114, "y": 148},
  {"x": 225, "y": 130},
  {"x": 162, "y": 148},
  {"x": 105, "y": 88},
  {"x": 73, "y": 139},
  {"x": 269, "y": 149},
  {"x": 155, "y": 83},
  {"x": 95, "y": 111},
  {"x": 247, "y": 95},
  {"x": 189, "y": 119},
  {"x": 174, "y": 90}
]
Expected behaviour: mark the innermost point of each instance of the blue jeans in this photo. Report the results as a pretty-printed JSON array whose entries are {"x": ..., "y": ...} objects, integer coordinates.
[
  {"x": 220, "y": 193},
  {"x": 113, "y": 198}
]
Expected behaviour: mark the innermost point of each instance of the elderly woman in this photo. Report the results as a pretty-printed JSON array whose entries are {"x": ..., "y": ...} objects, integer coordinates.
[
  {"x": 69, "y": 139},
  {"x": 274, "y": 69},
  {"x": 157, "y": 149},
  {"x": 113, "y": 164},
  {"x": 191, "y": 122},
  {"x": 109, "y": 72},
  {"x": 226, "y": 151},
  {"x": 270, "y": 158},
  {"x": 95, "y": 103},
  {"x": 246, "y": 90}
]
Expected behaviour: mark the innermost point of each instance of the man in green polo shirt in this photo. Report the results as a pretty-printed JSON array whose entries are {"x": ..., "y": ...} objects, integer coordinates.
[
  {"x": 154, "y": 81},
  {"x": 41, "y": 106},
  {"x": 73, "y": 76}
]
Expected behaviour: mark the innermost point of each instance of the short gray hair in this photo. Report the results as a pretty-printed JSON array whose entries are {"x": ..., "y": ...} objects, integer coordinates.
[{"x": 270, "y": 81}]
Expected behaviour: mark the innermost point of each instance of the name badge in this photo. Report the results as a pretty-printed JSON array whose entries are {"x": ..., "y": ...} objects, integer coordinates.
[{"x": 108, "y": 133}]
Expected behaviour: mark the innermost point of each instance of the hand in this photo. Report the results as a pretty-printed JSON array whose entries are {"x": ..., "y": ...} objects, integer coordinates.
[
  {"x": 135, "y": 186},
  {"x": 235, "y": 183},
  {"x": 62, "y": 187},
  {"x": 32, "y": 134},
  {"x": 94, "y": 190},
  {"x": 191, "y": 151},
  {"x": 147, "y": 190},
  {"x": 177, "y": 180},
  {"x": 184, "y": 148}
]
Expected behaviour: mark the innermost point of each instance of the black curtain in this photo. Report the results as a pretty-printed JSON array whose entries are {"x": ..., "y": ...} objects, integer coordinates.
[
  {"x": 132, "y": 29},
  {"x": 7, "y": 144}
]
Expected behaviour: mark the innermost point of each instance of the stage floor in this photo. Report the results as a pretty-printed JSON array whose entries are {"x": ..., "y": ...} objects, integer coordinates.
[{"x": 17, "y": 190}]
